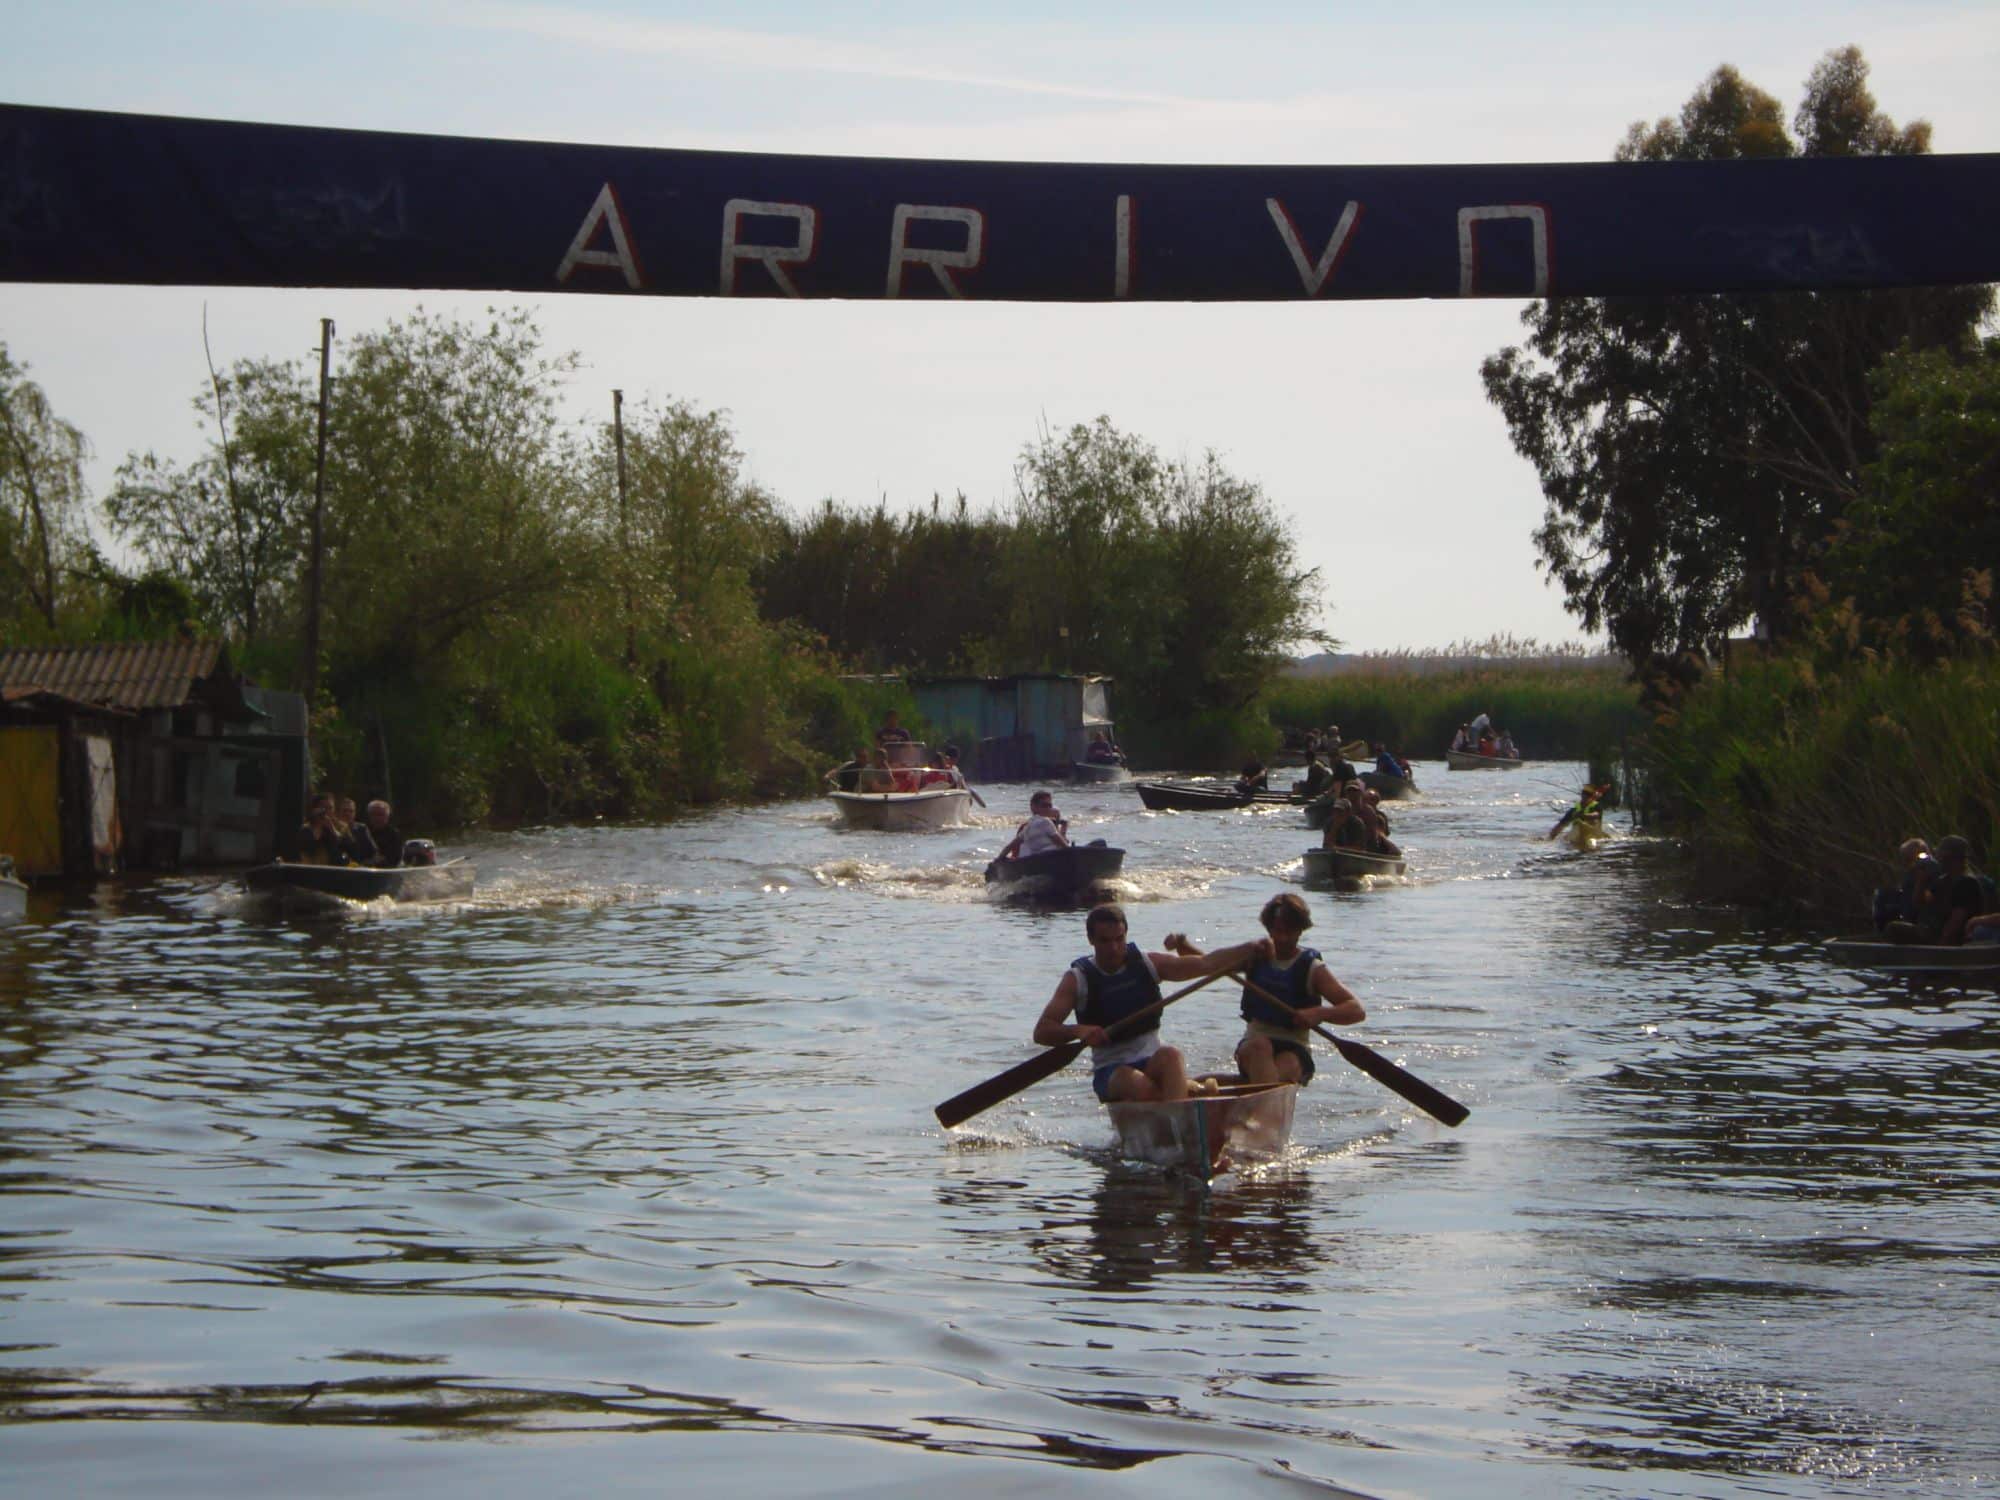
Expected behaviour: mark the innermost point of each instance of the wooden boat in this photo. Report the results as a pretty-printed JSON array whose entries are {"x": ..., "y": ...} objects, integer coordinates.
[
  {"x": 1325, "y": 865},
  {"x": 1472, "y": 760},
  {"x": 903, "y": 812},
  {"x": 440, "y": 882},
  {"x": 1208, "y": 1133},
  {"x": 1060, "y": 875},
  {"x": 1915, "y": 958},
  {"x": 1097, "y": 770},
  {"x": 1197, "y": 796},
  {"x": 1390, "y": 788},
  {"x": 13, "y": 892}
]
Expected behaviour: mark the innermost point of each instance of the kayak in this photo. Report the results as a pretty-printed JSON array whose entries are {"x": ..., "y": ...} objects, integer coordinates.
[{"x": 1208, "y": 1133}]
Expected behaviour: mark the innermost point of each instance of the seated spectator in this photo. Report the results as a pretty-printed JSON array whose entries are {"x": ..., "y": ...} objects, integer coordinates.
[
  {"x": 1254, "y": 779},
  {"x": 353, "y": 832},
  {"x": 1045, "y": 829},
  {"x": 388, "y": 842},
  {"x": 845, "y": 777},
  {"x": 877, "y": 776}
]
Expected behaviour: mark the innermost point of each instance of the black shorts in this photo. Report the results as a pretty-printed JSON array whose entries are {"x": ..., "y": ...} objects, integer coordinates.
[{"x": 1299, "y": 1050}]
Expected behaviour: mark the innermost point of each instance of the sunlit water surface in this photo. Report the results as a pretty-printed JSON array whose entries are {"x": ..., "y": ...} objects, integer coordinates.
[{"x": 624, "y": 1174}]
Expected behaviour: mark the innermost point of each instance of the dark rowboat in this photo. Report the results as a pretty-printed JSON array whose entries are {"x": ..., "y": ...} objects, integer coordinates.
[
  {"x": 440, "y": 882},
  {"x": 1195, "y": 796},
  {"x": 1060, "y": 875},
  {"x": 1208, "y": 1133},
  {"x": 1916, "y": 958},
  {"x": 1390, "y": 788},
  {"x": 1324, "y": 865}
]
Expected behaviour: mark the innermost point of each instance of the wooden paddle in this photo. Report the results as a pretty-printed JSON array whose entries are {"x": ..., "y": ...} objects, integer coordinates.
[
  {"x": 983, "y": 1096},
  {"x": 1431, "y": 1101}
]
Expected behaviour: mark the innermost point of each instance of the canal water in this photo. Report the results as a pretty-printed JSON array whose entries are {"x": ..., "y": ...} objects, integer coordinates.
[{"x": 622, "y": 1176}]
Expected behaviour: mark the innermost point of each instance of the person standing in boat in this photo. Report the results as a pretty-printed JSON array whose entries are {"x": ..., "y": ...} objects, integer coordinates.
[
  {"x": 1044, "y": 830},
  {"x": 1117, "y": 979},
  {"x": 892, "y": 731},
  {"x": 1277, "y": 1042},
  {"x": 388, "y": 840}
]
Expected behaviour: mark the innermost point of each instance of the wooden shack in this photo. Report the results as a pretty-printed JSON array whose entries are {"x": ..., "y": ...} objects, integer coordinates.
[{"x": 147, "y": 755}]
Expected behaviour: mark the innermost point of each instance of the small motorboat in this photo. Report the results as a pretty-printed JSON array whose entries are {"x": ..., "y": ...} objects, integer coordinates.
[
  {"x": 449, "y": 880},
  {"x": 1390, "y": 788},
  {"x": 1206, "y": 1133},
  {"x": 1098, "y": 770},
  {"x": 1058, "y": 875},
  {"x": 1915, "y": 958},
  {"x": 13, "y": 892},
  {"x": 1323, "y": 866},
  {"x": 903, "y": 812},
  {"x": 1201, "y": 796},
  {"x": 1472, "y": 760}
]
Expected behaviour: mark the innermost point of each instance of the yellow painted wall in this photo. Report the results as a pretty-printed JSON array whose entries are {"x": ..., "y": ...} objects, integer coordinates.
[{"x": 30, "y": 801}]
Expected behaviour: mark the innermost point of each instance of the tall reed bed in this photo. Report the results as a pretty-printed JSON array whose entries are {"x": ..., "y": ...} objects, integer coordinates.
[
  {"x": 1793, "y": 786},
  {"x": 1565, "y": 712}
]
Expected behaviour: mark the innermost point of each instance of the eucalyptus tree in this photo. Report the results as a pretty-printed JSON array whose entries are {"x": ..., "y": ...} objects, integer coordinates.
[{"x": 1695, "y": 451}]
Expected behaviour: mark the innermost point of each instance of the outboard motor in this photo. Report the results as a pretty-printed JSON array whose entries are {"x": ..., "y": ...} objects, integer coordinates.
[{"x": 419, "y": 852}]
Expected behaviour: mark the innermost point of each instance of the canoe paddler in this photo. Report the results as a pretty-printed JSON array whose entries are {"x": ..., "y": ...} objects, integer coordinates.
[
  {"x": 1117, "y": 979},
  {"x": 1277, "y": 1044}
]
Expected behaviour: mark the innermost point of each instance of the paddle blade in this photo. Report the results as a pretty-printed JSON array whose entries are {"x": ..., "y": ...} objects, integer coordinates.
[
  {"x": 983, "y": 1096},
  {"x": 1431, "y": 1101}
]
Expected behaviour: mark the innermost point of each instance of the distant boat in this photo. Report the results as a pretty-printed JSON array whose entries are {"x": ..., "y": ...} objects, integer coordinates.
[
  {"x": 1472, "y": 760},
  {"x": 1323, "y": 865},
  {"x": 1915, "y": 958},
  {"x": 1390, "y": 788},
  {"x": 13, "y": 892},
  {"x": 1208, "y": 1133},
  {"x": 1097, "y": 770},
  {"x": 903, "y": 812},
  {"x": 1196, "y": 796},
  {"x": 448, "y": 881},
  {"x": 1058, "y": 875}
]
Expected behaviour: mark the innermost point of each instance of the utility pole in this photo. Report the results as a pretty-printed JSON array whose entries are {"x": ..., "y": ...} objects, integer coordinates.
[
  {"x": 314, "y": 568},
  {"x": 624, "y": 528}
]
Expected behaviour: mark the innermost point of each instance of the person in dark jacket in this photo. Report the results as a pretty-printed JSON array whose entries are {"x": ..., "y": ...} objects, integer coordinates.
[
  {"x": 320, "y": 842},
  {"x": 387, "y": 840}
]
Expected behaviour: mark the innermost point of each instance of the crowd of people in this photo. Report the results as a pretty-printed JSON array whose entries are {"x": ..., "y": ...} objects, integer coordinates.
[
  {"x": 1480, "y": 737},
  {"x": 1939, "y": 897},
  {"x": 1355, "y": 821},
  {"x": 333, "y": 835},
  {"x": 872, "y": 771}
]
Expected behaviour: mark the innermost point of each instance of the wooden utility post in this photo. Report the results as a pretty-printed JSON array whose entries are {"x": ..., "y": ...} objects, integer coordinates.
[
  {"x": 624, "y": 528},
  {"x": 317, "y": 561}
]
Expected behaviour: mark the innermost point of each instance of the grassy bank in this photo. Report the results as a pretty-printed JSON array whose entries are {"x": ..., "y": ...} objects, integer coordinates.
[
  {"x": 1554, "y": 712},
  {"x": 1793, "y": 787}
]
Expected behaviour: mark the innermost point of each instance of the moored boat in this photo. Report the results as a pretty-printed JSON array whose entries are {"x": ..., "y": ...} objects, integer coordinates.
[
  {"x": 1472, "y": 760},
  {"x": 1097, "y": 770},
  {"x": 1208, "y": 1133},
  {"x": 903, "y": 812},
  {"x": 13, "y": 892},
  {"x": 1195, "y": 796},
  {"x": 1390, "y": 788},
  {"x": 1916, "y": 958},
  {"x": 1323, "y": 865},
  {"x": 1058, "y": 875},
  {"x": 447, "y": 881}
]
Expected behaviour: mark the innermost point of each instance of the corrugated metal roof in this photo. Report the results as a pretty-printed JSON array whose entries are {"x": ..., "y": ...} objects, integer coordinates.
[{"x": 127, "y": 674}]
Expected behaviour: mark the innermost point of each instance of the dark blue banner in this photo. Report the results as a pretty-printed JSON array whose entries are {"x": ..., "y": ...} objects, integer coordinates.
[{"x": 90, "y": 197}]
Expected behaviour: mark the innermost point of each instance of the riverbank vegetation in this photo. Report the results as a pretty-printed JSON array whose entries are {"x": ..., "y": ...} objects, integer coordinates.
[
  {"x": 1825, "y": 464},
  {"x": 512, "y": 629}
]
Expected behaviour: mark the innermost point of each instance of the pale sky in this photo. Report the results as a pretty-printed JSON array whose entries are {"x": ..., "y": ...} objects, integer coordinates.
[{"x": 1364, "y": 422}]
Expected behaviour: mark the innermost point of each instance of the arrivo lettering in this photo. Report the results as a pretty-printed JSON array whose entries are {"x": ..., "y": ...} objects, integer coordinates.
[{"x": 753, "y": 261}]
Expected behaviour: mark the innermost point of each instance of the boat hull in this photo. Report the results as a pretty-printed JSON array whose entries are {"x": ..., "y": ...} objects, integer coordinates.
[
  {"x": 1471, "y": 760},
  {"x": 442, "y": 882},
  {"x": 1092, "y": 770},
  {"x": 1324, "y": 865},
  {"x": 903, "y": 812},
  {"x": 1390, "y": 788},
  {"x": 1188, "y": 796},
  {"x": 1065, "y": 875},
  {"x": 1916, "y": 958},
  {"x": 1206, "y": 1134}
]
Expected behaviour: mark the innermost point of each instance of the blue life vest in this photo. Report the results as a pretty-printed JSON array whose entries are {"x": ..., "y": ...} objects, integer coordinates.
[
  {"x": 1110, "y": 998},
  {"x": 1292, "y": 985}
]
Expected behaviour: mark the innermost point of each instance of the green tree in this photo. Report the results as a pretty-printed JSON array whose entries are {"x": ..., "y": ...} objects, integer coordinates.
[
  {"x": 1695, "y": 451},
  {"x": 45, "y": 544}
]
